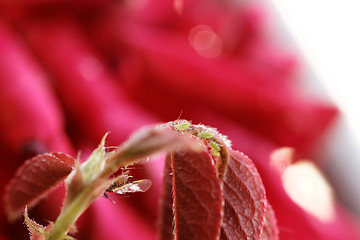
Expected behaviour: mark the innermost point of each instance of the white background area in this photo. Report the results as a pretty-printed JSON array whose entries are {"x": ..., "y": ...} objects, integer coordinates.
[{"x": 327, "y": 36}]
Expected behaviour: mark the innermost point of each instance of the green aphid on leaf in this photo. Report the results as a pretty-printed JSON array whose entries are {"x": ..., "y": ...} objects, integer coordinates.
[
  {"x": 215, "y": 148},
  {"x": 183, "y": 125},
  {"x": 206, "y": 134}
]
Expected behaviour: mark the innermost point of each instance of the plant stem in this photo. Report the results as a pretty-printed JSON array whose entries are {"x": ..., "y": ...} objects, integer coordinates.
[
  {"x": 69, "y": 216},
  {"x": 145, "y": 143},
  {"x": 83, "y": 200}
]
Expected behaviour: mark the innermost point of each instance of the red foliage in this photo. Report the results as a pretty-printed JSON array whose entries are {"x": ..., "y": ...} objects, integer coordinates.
[
  {"x": 35, "y": 179},
  {"x": 150, "y": 73},
  {"x": 199, "y": 183},
  {"x": 198, "y": 204},
  {"x": 245, "y": 201},
  {"x": 197, "y": 196}
]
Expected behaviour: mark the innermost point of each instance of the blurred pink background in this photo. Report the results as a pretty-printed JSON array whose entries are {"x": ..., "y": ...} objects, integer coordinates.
[{"x": 70, "y": 72}]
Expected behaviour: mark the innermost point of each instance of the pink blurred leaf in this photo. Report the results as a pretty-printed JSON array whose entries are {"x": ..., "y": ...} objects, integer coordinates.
[{"x": 36, "y": 178}]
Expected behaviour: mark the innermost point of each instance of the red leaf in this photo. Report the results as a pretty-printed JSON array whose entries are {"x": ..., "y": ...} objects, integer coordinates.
[
  {"x": 197, "y": 196},
  {"x": 244, "y": 196},
  {"x": 213, "y": 194},
  {"x": 270, "y": 230},
  {"x": 35, "y": 179},
  {"x": 166, "y": 215}
]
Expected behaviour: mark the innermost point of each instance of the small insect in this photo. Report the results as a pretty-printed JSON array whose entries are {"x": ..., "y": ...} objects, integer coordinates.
[
  {"x": 182, "y": 125},
  {"x": 215, "y": 148},
  {"x": 124, "y": 185},
  {"x": 206, "y": 134}
]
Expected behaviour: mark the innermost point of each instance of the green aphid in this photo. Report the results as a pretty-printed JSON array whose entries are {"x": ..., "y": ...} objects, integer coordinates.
[
  {"x": 215, "y": 153},
  {"x": 182, "y": 125},
  {"x": 206, "y": 135},
  {"x": 215, "y": 148}
]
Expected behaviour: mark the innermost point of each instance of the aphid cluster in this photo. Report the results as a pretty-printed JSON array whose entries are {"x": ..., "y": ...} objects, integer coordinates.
[{"x": 182, "y": 125}]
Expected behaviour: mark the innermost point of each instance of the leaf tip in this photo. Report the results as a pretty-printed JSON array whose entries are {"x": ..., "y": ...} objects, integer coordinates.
[{"x": 37, "y": 231}]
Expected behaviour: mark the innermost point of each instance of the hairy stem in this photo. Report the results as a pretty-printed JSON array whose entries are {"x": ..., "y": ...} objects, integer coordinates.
[
  {"x": 69, "y": 216},
  {"x": 145, "y": 143}
]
